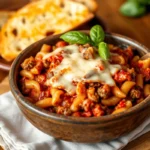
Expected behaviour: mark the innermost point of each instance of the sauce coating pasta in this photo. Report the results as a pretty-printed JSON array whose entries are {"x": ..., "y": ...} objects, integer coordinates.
[{"x": 73, "y": 80}]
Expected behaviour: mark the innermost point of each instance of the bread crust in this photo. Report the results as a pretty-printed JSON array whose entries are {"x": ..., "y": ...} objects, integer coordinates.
[{"x": 91, "y": 4}]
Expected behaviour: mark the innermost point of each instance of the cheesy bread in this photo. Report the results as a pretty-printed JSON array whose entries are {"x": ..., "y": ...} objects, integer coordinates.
[{"x": 40, "y": 19}]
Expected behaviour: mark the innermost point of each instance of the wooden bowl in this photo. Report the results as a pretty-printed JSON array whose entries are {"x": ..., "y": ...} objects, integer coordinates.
[{"x": 79, "y": 129}]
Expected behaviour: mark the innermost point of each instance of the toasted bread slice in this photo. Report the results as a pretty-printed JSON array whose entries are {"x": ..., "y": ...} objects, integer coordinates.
[{"x": 38, "y": 20}]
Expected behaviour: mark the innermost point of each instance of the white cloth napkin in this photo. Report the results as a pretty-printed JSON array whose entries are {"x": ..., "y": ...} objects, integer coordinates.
[{"x": 16, "y": 133}]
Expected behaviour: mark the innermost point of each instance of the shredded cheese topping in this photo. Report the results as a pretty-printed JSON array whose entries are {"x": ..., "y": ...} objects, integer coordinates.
[{"x": 74, "y": 68}]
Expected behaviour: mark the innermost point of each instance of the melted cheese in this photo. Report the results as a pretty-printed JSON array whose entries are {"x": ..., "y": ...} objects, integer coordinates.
[{"x": 75, "y": 68}]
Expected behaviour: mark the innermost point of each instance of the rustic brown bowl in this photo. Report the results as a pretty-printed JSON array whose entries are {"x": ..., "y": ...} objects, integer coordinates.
[{"x": 79, "y": 129}]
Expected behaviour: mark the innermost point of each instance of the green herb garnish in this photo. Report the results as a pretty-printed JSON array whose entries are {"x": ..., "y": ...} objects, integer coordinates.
[
  {"x": 96, "y": 39},
  {"x": 103, "y": 50},
  {"x": 134, "y": 8},
  {"x": 97, "y": 34},
  {"x": 76, "y": 37}
]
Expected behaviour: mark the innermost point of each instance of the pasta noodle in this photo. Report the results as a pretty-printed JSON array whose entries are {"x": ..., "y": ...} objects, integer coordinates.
[
  {"x": 46, "y": 48},
  {"x": 147, "y": 90},
  {"x": 126, "y": 86},
  {"x": 145, "y": 63},
  {"x": 112, "y": 101},
  {"x": 128, "y": 105},
  {"x": 135, "y": 58},
  {"x": 56, "y": 97},
  {"x": 31, "y": 84},
  {"x": 117, "y": 92},
  {"x": 34, "y": 71},
  {"x": 118, "y": 59},
  {"x": 139, "y": 80},
  {"x": 27, "y": 74},
  {"x": 47, "y": 102},
  {"x": 81, "y": 95}
]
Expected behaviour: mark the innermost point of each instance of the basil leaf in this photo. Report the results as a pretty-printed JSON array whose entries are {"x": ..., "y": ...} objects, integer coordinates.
[
  {"x": 103, "y": 50},
  {"x": 76, "y": 37},
  {"x": 133, "y": 9},
  {"x": 97, "y": 34}
]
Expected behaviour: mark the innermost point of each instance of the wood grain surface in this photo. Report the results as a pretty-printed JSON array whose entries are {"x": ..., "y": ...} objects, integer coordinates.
[{"x": 136, "y": 28}]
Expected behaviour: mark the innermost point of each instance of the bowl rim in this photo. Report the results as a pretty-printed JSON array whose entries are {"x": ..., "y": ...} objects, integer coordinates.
[{"x": 74, "y": 120}]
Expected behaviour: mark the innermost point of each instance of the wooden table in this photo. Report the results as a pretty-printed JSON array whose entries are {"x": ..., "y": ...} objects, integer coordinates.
[{"x": 136, "y": 28}]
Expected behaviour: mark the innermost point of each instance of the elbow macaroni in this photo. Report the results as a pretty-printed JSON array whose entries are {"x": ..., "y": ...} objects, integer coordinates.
[
  {"x": 81, "y": 95},
  {"x": 31, "y": 84},
  {"x": 47, "y": 102},
  {"x": 126, "y": 86},
  {"x": 56, "y": 97},
  {"x": 117, "y": 92},
  {"x": 139, "y": 80},
  {"x": 27, "y": 74}
]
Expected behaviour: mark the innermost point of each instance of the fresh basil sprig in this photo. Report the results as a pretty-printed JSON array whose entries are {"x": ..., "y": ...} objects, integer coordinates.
[
  {"x": 103, "y": 50},
  {"x": 96, "y": 39},
  {"x": 97, "y": 34},
  {"x": 134, "y": 8},
  {"x": 76, "y": 37}
]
